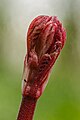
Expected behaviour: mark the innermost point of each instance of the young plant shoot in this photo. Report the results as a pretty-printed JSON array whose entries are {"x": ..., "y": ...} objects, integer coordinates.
[{"x": 45, "y": 39}]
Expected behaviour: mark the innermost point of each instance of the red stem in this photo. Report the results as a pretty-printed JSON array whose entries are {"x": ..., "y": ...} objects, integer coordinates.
[{"x": 27, "y": 108}]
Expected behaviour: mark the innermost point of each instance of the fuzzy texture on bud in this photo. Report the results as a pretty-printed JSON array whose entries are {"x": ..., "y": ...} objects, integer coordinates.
[{"x": 45, "y": 39}]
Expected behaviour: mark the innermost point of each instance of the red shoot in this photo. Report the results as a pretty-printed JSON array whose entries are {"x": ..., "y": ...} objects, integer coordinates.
[{"x": 45, "y": 39}]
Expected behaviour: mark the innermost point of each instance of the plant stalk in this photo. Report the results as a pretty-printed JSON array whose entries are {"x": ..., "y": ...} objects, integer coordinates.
[{"x": 27, "y": 108}]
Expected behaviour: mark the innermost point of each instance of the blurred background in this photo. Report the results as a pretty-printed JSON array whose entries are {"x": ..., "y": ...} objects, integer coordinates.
[{"x": 61, "y": 99}]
